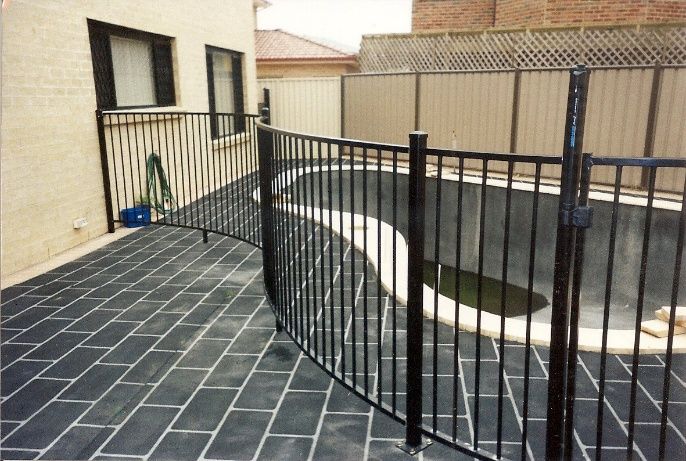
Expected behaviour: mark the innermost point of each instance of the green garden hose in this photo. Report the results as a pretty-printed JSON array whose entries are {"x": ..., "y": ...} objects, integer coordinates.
[{"x": 155, "y": 172}]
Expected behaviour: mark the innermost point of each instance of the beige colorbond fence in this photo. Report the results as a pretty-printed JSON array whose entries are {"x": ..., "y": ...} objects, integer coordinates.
[
  {"x": 308, "y": 105},
  {"x": 631, "y": 112}
]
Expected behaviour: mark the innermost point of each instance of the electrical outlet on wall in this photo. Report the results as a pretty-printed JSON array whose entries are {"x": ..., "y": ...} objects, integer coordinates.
[{"x": 80, "y": 222}]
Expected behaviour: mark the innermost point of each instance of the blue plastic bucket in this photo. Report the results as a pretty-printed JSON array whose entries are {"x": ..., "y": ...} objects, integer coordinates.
[{"x": 135, "y": 217}]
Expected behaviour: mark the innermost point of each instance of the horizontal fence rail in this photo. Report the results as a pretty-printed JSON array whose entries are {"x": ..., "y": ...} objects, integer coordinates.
[{"x": 195, "y": 170}]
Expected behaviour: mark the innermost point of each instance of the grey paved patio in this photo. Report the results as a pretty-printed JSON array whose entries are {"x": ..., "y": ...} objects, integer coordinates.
[{"x": 161, "y": 347}]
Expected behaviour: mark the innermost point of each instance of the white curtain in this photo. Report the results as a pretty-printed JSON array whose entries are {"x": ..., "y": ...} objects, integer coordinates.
[
  {"x": 132, "y": 63},
  {"x": 222, "y": 73}
]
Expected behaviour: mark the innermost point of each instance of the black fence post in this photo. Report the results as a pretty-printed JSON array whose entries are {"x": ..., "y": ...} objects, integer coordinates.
[
  {"x": 266, "y": 104},
  {"x": 564, "y": 249},
  {"x": 265, "y": 149},
  {"x": 415, "y": 292},
  {"x": 105, "y": 170}
]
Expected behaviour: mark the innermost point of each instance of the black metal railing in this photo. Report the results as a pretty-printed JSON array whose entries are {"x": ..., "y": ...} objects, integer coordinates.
[
  {"x": 491, "y": 302},
  {"x": 167, "y": 168}
]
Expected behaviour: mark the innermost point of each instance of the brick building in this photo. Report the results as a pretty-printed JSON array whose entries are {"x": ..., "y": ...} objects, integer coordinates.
[
  {"x": 434, "y": 15},
  {"x": 62, "y": 59}
]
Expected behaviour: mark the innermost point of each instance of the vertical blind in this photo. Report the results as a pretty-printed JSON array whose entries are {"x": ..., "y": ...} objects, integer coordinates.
[{"x": 222, "y": 75}]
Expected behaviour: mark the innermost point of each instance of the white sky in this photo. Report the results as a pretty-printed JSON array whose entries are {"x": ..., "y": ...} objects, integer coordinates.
[{"x": 338, "y": 21}]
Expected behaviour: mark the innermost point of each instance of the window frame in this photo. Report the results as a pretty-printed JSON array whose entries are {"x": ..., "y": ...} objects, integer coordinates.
[
  {"x": 103, "y": 69},
  {"x": 238, "y": 93}
]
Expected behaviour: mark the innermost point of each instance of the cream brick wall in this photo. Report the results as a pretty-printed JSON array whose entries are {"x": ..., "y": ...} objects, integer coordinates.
[{"x": 50, "y": 163}]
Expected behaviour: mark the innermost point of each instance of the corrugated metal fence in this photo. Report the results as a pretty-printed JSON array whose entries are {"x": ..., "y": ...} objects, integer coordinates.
[
  {"x": 631, "y": 112},
  {"x": 307, "y": 105}
]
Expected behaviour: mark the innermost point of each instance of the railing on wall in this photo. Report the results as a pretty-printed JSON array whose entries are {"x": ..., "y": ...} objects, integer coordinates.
[{"x": 371, "y": 253}]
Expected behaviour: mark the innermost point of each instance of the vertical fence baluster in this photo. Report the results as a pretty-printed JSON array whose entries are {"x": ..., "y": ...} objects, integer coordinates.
[
  {"x": 415, "y": 290},
  {"x": 265, "y": 149}
]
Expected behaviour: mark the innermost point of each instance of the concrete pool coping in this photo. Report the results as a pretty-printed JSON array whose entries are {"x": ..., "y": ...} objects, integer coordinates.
[{"x": 618, "y": 341}]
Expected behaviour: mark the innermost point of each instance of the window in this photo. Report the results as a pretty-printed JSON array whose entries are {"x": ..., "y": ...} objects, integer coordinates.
[
  {"x": 131, "y": 68},
  {"x": 225, "y": 86}
]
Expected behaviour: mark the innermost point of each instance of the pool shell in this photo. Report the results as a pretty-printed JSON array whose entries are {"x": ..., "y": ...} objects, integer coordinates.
[{"x": 619, "y": 341}]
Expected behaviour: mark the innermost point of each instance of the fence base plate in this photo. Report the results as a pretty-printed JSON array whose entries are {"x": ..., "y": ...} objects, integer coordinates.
[{"x": 414, "y": 449}]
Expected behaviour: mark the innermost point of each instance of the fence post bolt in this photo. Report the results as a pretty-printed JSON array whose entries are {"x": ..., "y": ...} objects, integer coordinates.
[
  {"x": 415, "y": 292},
  {"x": 265, "y": 149},
  {"x": 564, "y": 249},
  {"x": 105, "y": 171}
]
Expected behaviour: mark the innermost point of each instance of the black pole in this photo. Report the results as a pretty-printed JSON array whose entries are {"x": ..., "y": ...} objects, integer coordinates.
[
  {"x": 415, "y": 292},
  {"x": 105, "y": 171},
  {"x": 564, "y": 249},
  {"x": 265, "y": 148},
  {"x": 266, "y": 104}
]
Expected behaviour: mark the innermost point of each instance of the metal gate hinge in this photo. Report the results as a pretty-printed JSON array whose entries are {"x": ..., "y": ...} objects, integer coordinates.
[{"x": 581, "y": 217}]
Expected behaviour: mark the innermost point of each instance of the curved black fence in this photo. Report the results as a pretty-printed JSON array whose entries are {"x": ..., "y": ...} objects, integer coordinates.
[{"x": 491, "y": 302}]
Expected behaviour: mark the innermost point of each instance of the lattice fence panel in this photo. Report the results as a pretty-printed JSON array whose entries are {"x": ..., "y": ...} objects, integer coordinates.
[{"x": 525, "y": 49}]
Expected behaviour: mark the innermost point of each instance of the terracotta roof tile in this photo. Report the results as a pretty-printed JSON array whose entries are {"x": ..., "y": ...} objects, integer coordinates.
[{"x": 281, "y": 45}]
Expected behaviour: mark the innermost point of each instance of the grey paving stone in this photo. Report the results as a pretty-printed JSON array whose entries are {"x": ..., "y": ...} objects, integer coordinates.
[
  {"x": 93, "y": 321},
  {"x": 50, "y": 288},
  {"x": 239, "y": 437},
  {"x": 29, "y": 317},
  {"x": 225, "y": 327},
  {"x": 78, "y": 308},
  {"x": 6, "y": 428},
  {"x": 140, "y": 311},
  {"x": 12, "y": 292},
  {"x": 342, "y": 400},
  {"x": 65, "y": 297},
  {"x": 244, "y": 305},
  {"x": 251, "y": 341},
  {"x": 385, "y": 427},
  {"x": 130, "y": 350},
  {"x": 123, "y": 300},
  {"x": 79, "y": 442},
  {"x": 159, "y": 323},
  {"x": 17, "y": 454},
  {"x": 277, "y": 448},
  {"x": 204, "y": 354},
  {"x": 184, "y": 278},
  {"x": 11, "y": 352},
  {"x": 151, "y": 367},
  {"x": 202, "y": 314},
  {"x": 96, "y": 281},
  {"x": 309, "y": 377},
  {"x": 19, "y": 305},
  {"x": 263, "y": 318},
  {"x": 58, "y": 346},
  {"x": 203, "y": 285},
  {"x": 74, "y": 363},
  {"x": 299, "y": 413},
  {"x": 231, "y": 371},
  {"x": 94, "y": 383},
  {"x": 342, "y": 437},
  {"x": 205, "y": 411},
  {"x": 116, "y": 405},
  {"x": 149, "y": 283},
  {"x": 41, "y": 331},
  {"x": 110, "y": 334},
  {"x": 180, "y": 446},
  {"x": 177, "y": 387},
  {"x": 279, "y": 357},
  {"x": 134, "y": 275},
  {"x": 31, "y": 398},
  {"x": 163, "y": 293},
  {"x": 179, "y": 338},
  {"x": 19, "y": 373},
  {"x": 46, "y": 425},
  {"x": 183, "y": 303},
  {"x": 262, "y": 391},
  {"x": 222, "y": 295},
  {"x": 140, "y": 433},
  {"x": 108, "y": 290}
]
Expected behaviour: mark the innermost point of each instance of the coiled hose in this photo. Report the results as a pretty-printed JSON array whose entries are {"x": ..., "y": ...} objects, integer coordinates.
[{"x": 165, "y": 201}]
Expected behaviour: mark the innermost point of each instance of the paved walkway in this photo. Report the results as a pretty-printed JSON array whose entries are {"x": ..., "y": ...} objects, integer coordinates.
[{"x": 158, "y": 346}]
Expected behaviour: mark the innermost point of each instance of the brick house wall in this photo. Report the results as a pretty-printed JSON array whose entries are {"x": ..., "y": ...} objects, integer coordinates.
[
  {"x": 428, "y": 15},
  {"x": 50, "y": 159}
]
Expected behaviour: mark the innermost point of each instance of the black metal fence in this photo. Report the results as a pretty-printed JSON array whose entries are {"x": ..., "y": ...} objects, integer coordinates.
[
  {"x": 496, "y": 313},
  {"x": 167, "y": 168}
]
